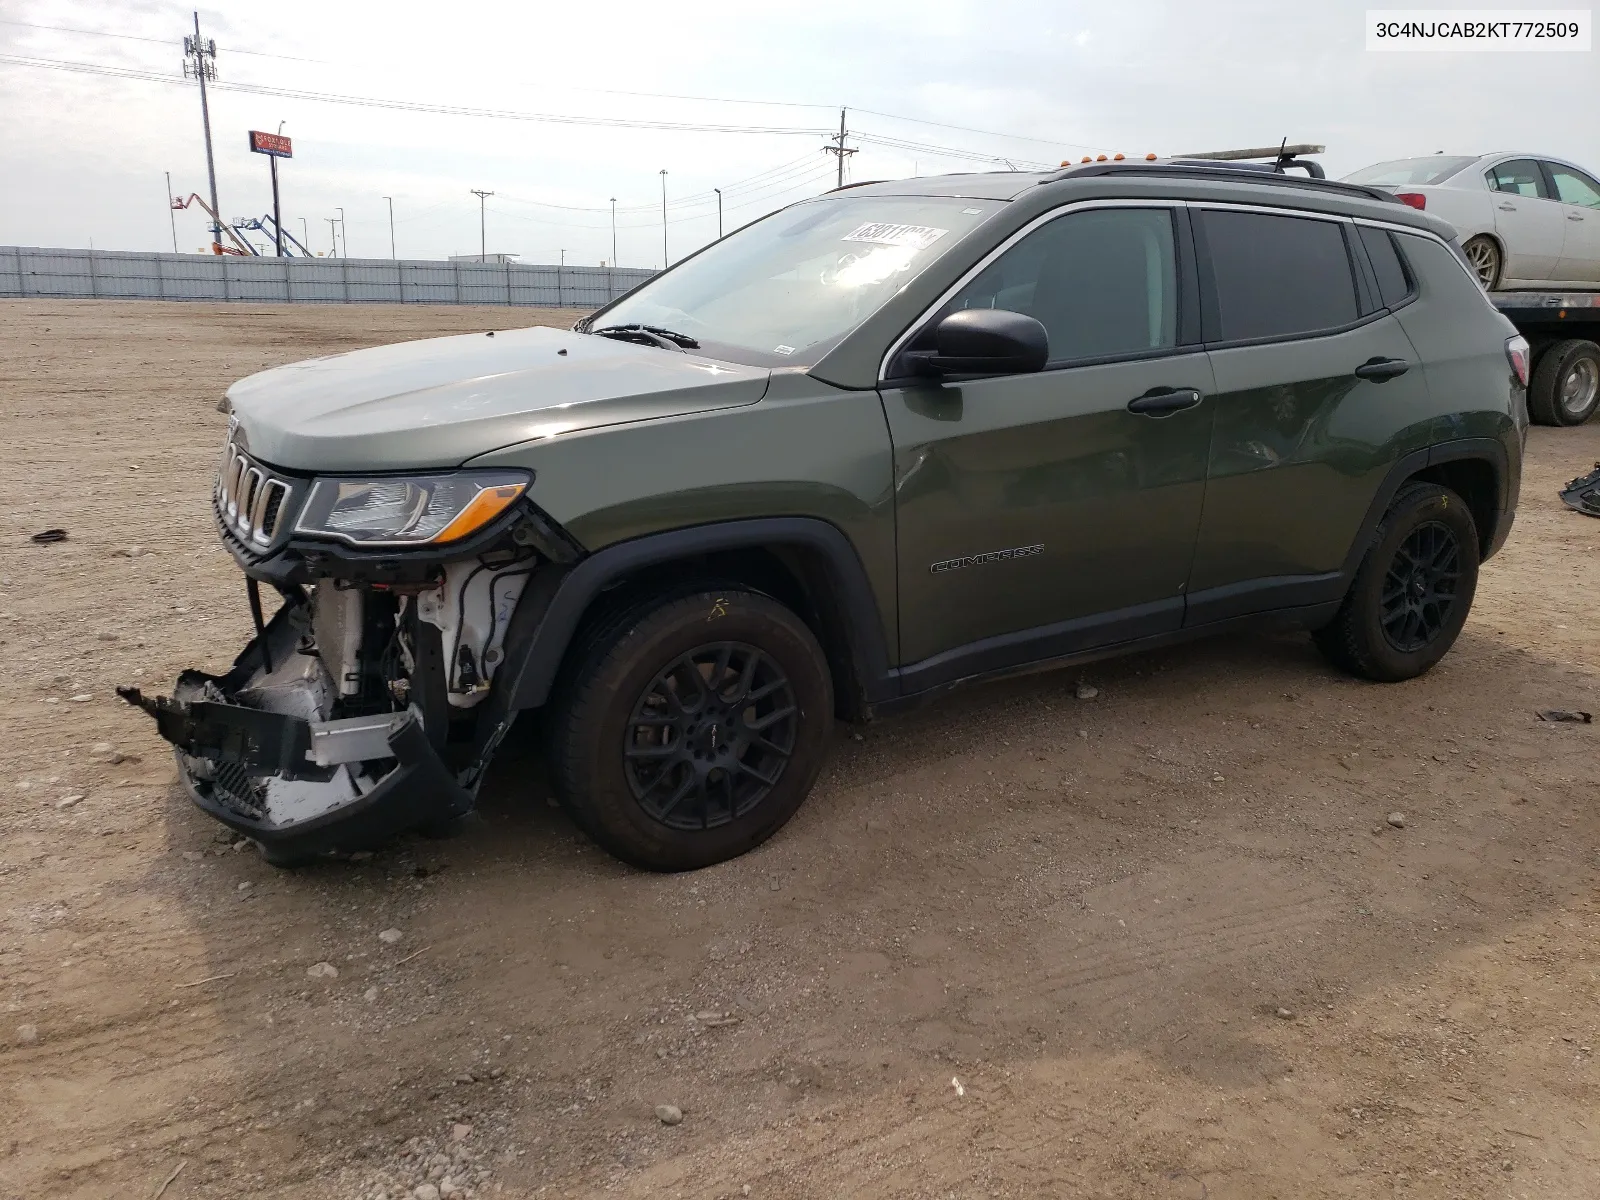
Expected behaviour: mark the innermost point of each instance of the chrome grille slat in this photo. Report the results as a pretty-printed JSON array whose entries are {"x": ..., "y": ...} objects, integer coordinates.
[{"x": 249, "y": 499}]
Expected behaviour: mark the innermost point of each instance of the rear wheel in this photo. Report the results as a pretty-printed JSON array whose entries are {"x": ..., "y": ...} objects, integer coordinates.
[
  {"x": 692, "y": 729},
  {"x": 1565, "y": 387},
  {"x": 1412, "y": 591},
  {"x": 1484, "y": 255}
]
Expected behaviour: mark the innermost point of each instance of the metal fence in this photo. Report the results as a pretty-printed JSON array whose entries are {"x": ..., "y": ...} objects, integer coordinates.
[{"x": 119, "y": 275}]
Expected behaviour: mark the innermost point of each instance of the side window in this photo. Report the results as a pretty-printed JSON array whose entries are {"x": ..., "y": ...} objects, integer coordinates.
[
  {"x": 1102, "y": 282},
  {"x": 1393, "y": 286},
  {"x": 1520, "y": 177},
  {"x": 1278, "y": 276},
  {"x": 1574, "y": 187}
]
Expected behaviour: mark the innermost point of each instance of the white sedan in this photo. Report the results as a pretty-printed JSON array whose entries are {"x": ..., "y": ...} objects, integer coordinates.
[{"x": 1526, "y": 221}]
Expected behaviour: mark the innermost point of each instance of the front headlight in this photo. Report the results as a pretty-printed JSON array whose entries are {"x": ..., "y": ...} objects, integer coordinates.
[{"x": 423, "y": 510}]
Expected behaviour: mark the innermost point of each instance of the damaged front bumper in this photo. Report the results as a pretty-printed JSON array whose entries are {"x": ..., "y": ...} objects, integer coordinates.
[{"x": 256, "y": 751}]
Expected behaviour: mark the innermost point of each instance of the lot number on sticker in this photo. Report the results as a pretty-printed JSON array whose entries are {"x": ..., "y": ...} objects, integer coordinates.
[{"x": 885, "y": 233}]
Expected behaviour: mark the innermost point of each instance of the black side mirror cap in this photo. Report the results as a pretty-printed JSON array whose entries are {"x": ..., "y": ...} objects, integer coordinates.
[{"x": 984, "y": 341}]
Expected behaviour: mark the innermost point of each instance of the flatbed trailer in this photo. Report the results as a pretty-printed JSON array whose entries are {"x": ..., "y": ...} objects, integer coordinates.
[{"x": 1563, "y": 332}]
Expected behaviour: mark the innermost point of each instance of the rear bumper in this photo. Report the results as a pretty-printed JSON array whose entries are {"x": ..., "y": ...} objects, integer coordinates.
[{"x": 290, "y": 781}]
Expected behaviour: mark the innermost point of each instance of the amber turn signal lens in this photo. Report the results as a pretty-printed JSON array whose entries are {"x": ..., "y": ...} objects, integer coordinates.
[{"x": 480, "y": 510}]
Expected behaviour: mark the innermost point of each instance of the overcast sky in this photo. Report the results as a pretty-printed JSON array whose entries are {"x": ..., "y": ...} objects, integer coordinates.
[{"x": 82, "y": 155}]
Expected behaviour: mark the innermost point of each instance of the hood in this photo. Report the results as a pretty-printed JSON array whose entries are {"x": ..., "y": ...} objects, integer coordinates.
[{"x": 438, "y": 402}]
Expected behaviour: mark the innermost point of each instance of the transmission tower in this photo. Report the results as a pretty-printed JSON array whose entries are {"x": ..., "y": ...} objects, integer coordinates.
[
  {"x": 839, "y": 149},
  {"x": 200, "y": 63}
]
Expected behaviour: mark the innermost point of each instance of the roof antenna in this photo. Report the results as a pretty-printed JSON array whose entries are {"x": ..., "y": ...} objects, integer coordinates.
[{"x": 1283, "y": 159}]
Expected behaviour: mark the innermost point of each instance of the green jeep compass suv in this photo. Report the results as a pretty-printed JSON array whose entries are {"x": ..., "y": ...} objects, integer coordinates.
[{"x": 889, "y": 440}]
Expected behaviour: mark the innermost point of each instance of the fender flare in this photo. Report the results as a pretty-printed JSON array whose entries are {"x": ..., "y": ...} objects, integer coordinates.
[
  {"x": 533, "y": 666},
  {"x": 1486, "y": 449}
]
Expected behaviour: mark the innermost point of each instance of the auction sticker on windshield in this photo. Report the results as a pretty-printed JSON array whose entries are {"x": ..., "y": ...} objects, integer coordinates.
[{"x": 884, "y": 233}]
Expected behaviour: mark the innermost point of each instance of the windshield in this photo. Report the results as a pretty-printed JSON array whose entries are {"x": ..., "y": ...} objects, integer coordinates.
[
  {"x": 783, "y": 290},
  {"x": 1412, "y": 171}
]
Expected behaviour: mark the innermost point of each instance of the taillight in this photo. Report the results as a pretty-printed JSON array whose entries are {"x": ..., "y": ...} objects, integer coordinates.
[
  {"x": 1517, "y": 353},
  {"x": 1414, "y": 199}
]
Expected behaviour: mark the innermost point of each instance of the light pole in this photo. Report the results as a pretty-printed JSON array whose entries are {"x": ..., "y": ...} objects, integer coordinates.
[
  {"x": 665, "y": 262},
  {"x": 718, "y": 191},
  {"x": 390, "y": 199},
  {"x": 613, "y": 230},
  {"x": 333, "y": 235},
  {"x": 344, "y": 235},
  {"x": 305, "y": 235},
  {"x": 483, "y": 238}
]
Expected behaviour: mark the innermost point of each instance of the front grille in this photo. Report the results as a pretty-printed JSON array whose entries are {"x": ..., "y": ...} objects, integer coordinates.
[
  {"x": 238, "y": 791},
  {"x": 250, "y": 500}
]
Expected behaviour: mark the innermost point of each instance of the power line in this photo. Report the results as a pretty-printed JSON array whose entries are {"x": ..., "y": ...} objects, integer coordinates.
[
  {"x": 130, "y": 37},
  {"x": 1016, "y": 137},
  {"x": 450, "y": 110}
]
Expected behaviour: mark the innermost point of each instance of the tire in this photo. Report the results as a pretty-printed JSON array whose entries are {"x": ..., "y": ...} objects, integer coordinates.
[
  {"x": 1484, "y": 255},
  {"x": 670, "y": 775},
  {"x": 1427, "y": 527},
  {"x": 1565, "y": 387}
]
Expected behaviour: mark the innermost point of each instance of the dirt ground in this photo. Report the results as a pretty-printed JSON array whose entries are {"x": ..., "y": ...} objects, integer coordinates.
[{"x": 1162, "y": 943}]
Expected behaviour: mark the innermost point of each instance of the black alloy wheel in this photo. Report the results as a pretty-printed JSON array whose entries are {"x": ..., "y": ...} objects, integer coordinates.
[
  {"x": 1420, "y": 587},
  {"x": 688, "y": 728},
  {"x": 710, "y": 736},
  {"x": 1412, "y": 591}
]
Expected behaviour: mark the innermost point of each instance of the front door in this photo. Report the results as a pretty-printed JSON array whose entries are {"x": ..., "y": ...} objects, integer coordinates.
[
  {"x": 1036, "y": 514},
  {"x": 1578, "y": 195},
  {"x": 1530, "y": 225},
  {"x": 1313, "y": 380}
]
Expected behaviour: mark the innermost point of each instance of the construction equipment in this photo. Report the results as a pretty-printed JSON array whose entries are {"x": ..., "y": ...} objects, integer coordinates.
[
  {"x": 240, "y": 246},
  {"x": 266, "y": 226}
]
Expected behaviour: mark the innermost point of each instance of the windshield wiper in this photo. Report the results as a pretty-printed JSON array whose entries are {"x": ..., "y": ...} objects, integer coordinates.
[{"x": 648, "y": 335}]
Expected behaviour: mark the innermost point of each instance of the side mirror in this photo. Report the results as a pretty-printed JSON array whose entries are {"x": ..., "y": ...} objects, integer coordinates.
[{"x": 984, "y": 341}]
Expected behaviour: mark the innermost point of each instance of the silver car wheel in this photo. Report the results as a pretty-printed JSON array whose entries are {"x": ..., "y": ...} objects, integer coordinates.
[
  {"x": 1485, "y": 260},
  {"x": 1579, "y": 387}
]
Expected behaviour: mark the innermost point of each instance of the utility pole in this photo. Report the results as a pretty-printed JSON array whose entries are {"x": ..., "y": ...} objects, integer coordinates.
[
  {"x": 200, "y": 61},
  {"x": 344, "y": 235},
  {"x": 613, "y": 231},
  {"x": 171, "y": 213},
  {"x": 665, "y": 261},
  {"x": 839, "y": 149},
  {"x": 305, "y": 235},
  {"x": 483, "y": 237},
  {"x": 718, "y": 191},
  {"x": 333, "y": 235},
  {"x": 390, "y": 199}
]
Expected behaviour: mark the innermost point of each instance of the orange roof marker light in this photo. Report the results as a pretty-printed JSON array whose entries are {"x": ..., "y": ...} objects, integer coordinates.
[
  {"x": 1149, "y": 158},
  {"x": 1099, "y": 158},
  {"x": 1086, "y": 158},
  {"x": 1118, "y": 157}
]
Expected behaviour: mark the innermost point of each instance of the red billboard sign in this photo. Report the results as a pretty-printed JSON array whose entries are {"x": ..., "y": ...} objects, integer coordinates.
[{"x": 274, "y": 144}]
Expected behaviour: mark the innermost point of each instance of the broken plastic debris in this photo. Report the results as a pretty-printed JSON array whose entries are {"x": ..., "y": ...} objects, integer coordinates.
[
  {"x": 49, "y": 535},
  {"x": 1565, "y": 714}
]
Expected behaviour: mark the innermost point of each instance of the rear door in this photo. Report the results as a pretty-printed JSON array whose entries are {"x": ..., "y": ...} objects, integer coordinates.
[
  {"x": 1037, "y": 514},
  {"x": 1301, "y": 441},
  {"x": 1530, "y": 224},
  {"x": 1578, "y": 195}
]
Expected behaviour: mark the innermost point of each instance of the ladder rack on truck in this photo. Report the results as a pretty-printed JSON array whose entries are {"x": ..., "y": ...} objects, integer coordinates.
[{"x": 1563, "y": 332}]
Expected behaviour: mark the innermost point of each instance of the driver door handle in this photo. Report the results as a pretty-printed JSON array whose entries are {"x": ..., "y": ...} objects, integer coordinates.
[
  {"x": 1508, "y": 208},
  {"x": 1380, "y": 369},
  {"x": 1574, "y": 216},
  {"x": 1163, "y": 401}
]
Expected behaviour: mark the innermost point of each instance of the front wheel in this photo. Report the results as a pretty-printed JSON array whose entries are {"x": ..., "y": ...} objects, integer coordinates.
[
  {"x": 691, "y": 729},
  {"x": 1412, "y": 591}
]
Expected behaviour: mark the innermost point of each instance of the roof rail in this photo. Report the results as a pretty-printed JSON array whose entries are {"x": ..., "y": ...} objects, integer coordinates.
[{"x": 1232, "y": 174}]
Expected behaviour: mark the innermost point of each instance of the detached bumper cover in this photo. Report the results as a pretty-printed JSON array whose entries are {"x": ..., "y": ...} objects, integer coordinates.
[{"x": 284, "y": 780}]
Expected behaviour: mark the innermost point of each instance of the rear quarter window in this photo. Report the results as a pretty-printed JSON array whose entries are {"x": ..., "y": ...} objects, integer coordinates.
[
  {"x": 1394, "y": 284},
  {"x": 1278, "y": 276}
]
